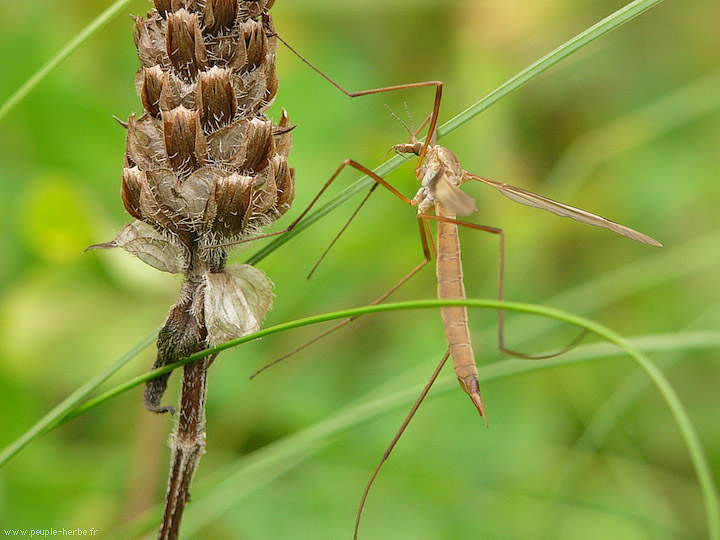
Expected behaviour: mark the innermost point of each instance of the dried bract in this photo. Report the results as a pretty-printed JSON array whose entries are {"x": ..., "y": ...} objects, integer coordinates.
[
  {"x": 235, "y": 302},
  {"x": 148, "y": 245}
]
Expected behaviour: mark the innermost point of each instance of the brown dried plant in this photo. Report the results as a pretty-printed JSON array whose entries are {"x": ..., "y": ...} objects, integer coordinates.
[{"x": 204, "y": 168}]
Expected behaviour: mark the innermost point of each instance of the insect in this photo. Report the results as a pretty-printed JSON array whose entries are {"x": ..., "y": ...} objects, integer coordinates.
[{"x": 441, "y": 175}]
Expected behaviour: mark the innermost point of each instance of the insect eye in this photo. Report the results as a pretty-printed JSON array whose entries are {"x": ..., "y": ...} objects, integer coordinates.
[{"x": 417, "y": 147}]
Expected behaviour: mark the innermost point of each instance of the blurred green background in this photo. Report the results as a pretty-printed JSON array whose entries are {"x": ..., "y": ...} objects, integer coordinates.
[{"x": 629, "y": 128}]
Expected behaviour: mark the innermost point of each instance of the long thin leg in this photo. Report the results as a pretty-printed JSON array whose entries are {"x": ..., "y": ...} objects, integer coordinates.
[
  {"x": 343, "y": 323},
  {"x": 436, "y": 106},
  {"x": 426, "y": 245},
  {"x": 399, "y": 433},
  {"x": 500, "y": 295}
]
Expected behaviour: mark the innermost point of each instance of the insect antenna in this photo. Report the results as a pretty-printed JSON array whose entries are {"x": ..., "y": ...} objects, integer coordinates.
[
  {"x": 412, "y": 124},
  {"x": 412, "y": 131}
]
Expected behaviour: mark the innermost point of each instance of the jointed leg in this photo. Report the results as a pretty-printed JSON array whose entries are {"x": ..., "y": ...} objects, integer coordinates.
[
  {"x": 425, "y": 239},
  {"x": 399, "y": 433},
  {"x": 501, "y": 281}
]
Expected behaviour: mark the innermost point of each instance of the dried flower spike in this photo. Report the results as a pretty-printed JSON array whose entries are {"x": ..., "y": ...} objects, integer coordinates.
[{"x": 204, "y": 167}]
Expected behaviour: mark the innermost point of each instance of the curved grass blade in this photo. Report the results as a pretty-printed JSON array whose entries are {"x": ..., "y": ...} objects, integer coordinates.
[
  {"x": 697, "y": 456},
  {"x": 226, "y": 487},
  {"x": 73, "y": 405}
]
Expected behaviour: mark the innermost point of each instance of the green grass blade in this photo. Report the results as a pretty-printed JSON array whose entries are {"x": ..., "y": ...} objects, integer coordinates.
[
  {"x": 58, "y": 414},
  {"x": 687, "y": 430},
  {"x": 226, "y": 487},
  {"x": 316, "y": 319},
  {"x": 91, "y": 29},
  {"x": 608, "y": 24},
  {"x": 71, "y": 408}
]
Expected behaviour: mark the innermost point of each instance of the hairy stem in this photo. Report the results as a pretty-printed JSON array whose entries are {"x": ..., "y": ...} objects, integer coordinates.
[{"x": 187, "y": 445}]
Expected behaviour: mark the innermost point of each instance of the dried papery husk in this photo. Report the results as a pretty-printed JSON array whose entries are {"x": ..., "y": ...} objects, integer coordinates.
[
  {"x": 236, "y": 301},
  {"x": 215, "y": 99},
  {"x": 184, "y": 139},
  {"x": 145, "y": 146},
  {"x": 148, "y": 245},
  {"x": 226, "y": 213},
  {"x": 219, "y": 15},
  {"x": 132, "y": 181},
  {"x": 151, "y": 81}
]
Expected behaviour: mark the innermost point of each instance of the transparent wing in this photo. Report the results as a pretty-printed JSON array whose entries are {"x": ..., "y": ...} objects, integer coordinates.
[
  {"x": 538, "y": 201},
  {"x": 451, "y": 196}
]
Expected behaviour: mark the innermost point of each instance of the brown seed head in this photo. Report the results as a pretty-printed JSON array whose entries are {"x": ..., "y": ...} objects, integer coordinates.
[{"x": 203, "y": 163}]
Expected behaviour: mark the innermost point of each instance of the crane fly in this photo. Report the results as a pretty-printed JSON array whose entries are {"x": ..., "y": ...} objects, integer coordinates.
[{"x": 441, "y": 175}]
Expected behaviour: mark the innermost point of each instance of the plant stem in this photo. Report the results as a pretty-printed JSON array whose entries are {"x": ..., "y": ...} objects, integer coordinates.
[{"x": 187, "y": 445}]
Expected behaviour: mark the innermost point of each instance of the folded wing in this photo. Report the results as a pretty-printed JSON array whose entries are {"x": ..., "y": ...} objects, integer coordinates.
[{"x": 538, "y": 201}]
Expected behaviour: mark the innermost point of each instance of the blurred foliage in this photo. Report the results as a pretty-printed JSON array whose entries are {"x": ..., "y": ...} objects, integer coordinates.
[{"x": 629, "y": 128}]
